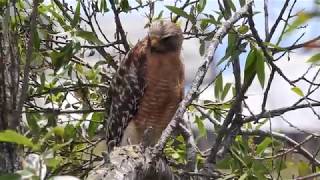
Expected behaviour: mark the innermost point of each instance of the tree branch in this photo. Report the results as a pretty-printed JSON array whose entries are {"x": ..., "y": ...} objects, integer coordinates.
[
  {"x": 221, "y": 32},
  {"x": 119, "y": 27},
  {"x": 26, "y": 72}
]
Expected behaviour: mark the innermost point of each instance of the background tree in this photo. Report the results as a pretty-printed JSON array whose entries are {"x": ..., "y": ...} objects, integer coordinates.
[{"x": 54, "y": 100}]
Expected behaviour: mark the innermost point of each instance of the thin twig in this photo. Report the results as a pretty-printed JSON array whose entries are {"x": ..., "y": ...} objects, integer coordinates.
[
  {"x": 119, "y": 27},
  {"x": 26, "y": 72},
  {"x": 278, "y": 112},
  {"x": 276, "y": 23},
  {"x": 310, "y": 176}
]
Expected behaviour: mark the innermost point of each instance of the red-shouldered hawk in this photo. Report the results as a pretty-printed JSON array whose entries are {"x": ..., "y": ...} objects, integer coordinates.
[{"x": 148, "y": 86}]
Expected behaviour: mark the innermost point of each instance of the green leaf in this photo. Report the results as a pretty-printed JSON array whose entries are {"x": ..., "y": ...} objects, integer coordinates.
[
  {"x": 303, "y": 168},
  {"x": 10, "y": 177},
  {"x": 201, "y": 5},
  {"x": 250, "y": 66},
  {"x": 61, "y": 58},
  {"x": 260, "y": 67},
  {"x": 231, "y": 50},
  {"x": 208, "y": 21},
  {"x": 302, "y": 18},
  {"x": 139, "y": 2},
  {"x": 76, "y": 17},
  {"x": 269, "y": 44},
  {"x": 69, "y": 132},
  {"x": 201, "y": 127},
  {"x": 96, "y": 120},
  {"x": 242, "y": 2},
  {"x": 32, "y": 120},
  {"x": 263, "y": 145},
  {"x": 159, "y": 15},
  {"x": 36, "y": 40},
  {"x": 280, "y": 165},
  {"x": 42, "y": 82},
  {"x": 261, "y": 123},
  {"x": 231, "y": 4},
  {"x": 59, "y": 19},
  {"x": 124, "y": 4},
  {"x": 243, "y": 29},
  {"x": 298, "y": 91},
  {"x": 225, "y": 90},
  {"x": 53, "y": 163},
  {"x": 227, "y": 8},
  {"x": 218, "y": 86},
  {"x": 89, "y": 36},
  {"x": 179, "y": 12},
  {"x": 103, "y": 6},
  {"x": 314, "y": 59},
  {"x": 244, "y": 176},
  {"x": 14, "y": 137},
  {"x": 59, "y": 146},
  {"x": 58, "y": 131}
]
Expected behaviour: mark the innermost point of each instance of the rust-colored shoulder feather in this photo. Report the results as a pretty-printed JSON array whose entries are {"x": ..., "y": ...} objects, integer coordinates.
[{"x": 127, "y": 89}]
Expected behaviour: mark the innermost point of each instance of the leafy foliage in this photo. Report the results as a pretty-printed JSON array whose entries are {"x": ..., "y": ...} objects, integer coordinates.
[{"x": 66, "y": 102}]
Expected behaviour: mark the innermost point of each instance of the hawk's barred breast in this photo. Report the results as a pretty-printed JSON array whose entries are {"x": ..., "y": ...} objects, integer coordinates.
[{"x": 148, "y": 86}]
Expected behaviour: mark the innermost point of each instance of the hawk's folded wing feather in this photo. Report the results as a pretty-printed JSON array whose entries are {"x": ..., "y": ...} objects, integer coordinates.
[{"x": 127, "y": 89}]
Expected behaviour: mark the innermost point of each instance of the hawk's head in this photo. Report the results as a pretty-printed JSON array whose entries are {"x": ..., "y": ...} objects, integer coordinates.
[{"x": 165, "y": 36}]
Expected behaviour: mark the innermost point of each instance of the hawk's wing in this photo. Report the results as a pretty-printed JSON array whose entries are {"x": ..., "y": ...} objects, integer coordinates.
[{"x": 127, "y": 89}]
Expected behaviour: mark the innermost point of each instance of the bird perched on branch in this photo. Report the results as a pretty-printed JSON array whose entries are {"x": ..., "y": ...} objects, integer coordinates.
[{"x": 148, "y": 87}]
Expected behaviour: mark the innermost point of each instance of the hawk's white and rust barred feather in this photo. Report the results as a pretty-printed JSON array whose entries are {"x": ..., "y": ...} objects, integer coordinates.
[
  {"x": 127, "y": 88},
  {"x": 147, "y": 87}
]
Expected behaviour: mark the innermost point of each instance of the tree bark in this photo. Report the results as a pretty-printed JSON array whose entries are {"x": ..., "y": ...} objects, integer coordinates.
[
  {"x": 9, "y": 83},
  {"x": 132, "y": 162}
]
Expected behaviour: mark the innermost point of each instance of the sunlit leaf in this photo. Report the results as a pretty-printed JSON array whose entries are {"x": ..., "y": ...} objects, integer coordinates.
[
  {"x": 53, "y": 162},
  {"x": 302, "y": 18},
  {"x": 76, "y": 17},
  {"x": 61, "y": 58},
  {"x": 314, "y": 59},
  {"x": 89, "y": 36},
  {"x": 201, "y": 5},
  {"x": 260, "y": 67},
  {"x": 69, "y": 132},
  {"x": 103, "y": 6},
  {"x": 269, "y": 44},
  {"x": 179, "y": 12},
  {"x": 243, "y": 29},
  {"x": 263, "y": 145},
  {"x": 208, "y": 21},
  {"x": 14, "y": 137},
  {"x": 32, "y": 120},
  {"x": 250, "y": 66},
  {"x": 243, "y": 176},
  {"x": 58, "y": 131},
  {"x": 96, "y": 120},
  {"x": 297, "y": 90},
  {"x": 218, "y": 86},
  {"x": 303, "y": 168},
  {"x": 225, "y": 90},
  {"x": 10, "y": 177},
  {"x": 59, "y": 146},
  {"x": 36, "y": 40},
  {"x": 201, "y": 127},
  {"x": 232, "y": 48}
]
